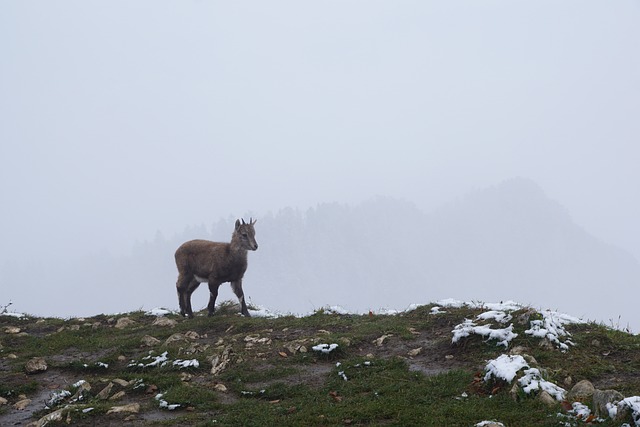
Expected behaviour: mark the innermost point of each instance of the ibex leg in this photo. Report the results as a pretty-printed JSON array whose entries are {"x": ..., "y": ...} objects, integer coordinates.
[
  {"x": 182, "y": 285},
  {"x": 213, "y": 294},
  {"x": 237, "y": 289}
]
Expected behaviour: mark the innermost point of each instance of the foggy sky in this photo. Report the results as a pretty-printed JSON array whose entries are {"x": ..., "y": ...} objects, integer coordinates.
[{"x": 120, "y": 119}]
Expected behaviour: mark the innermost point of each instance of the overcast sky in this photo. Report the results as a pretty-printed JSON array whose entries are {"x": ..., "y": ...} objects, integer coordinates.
[{"x": 122, "y": 118}]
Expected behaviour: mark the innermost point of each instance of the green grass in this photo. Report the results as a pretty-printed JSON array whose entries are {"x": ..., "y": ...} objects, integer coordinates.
[{"x": 267, "y": 384}]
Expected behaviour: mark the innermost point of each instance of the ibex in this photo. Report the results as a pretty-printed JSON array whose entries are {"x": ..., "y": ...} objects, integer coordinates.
[{"x": 201, "y": 261}]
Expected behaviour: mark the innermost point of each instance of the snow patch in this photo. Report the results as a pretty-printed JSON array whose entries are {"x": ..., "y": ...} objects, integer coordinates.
[
  {"x": 259, "y": 311},
  {"x": 436, "y": 310},
  {"x": 324, "y": 348},
  {"x": 505, "y": 367},
  {"x": 159, "y": 311},
  {"x": 498, "y": 316},
  {"x": 164, "y": 404},
  {"x": 17, "y": 315},
  {"x": 633, "y": 403},
  {"x": 533, "y": 381},
  {"x": 580, "y": 410},
  {"x": 468, "y": 327},
  {"x": 193, "y": 363},
  {"x": 155, "y": 361},
  {"x": 552, "y": 328}
]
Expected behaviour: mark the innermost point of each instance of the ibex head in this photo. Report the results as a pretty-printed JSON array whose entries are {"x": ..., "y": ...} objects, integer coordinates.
[{"x": 246, "y": 234}]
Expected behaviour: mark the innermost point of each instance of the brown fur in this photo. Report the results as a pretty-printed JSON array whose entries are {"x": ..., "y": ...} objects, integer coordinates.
[{"x": 215, "y": 263}]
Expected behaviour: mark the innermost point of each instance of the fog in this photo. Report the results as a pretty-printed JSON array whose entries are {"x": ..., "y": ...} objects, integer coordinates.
[{"x": 133, "y": 125}]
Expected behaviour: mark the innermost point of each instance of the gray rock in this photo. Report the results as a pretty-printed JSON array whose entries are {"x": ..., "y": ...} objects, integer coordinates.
[
  {"x": 176, "y": 338},
  {"x": 124, "y": 322},
  {"x": 149, "y": 341},
  {"x": 35, "y": 365},
  {"x": 131, "y": 408},
  {"x": 601, "y": 398},
  {"x": 581, "y": 392},
  {"x": 547, "y": 399},
  {"x": 104, "y": 394},
  {"x": 164, "y": 322}
]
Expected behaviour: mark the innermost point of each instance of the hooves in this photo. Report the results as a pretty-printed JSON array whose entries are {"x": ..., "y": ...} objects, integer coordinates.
[{"x": 210, "y": 314}]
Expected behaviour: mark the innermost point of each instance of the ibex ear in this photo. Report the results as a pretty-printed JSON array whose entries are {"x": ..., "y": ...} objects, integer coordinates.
[{"x": 237, "y": 224}]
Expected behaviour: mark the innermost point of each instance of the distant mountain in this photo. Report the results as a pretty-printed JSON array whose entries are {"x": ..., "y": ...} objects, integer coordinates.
[
  {"x": 512, "y": 239},
  {"x": 509, "y": 241}
]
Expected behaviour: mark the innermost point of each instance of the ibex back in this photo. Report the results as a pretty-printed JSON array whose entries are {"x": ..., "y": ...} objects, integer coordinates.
[{"x": 200, "y": 261}]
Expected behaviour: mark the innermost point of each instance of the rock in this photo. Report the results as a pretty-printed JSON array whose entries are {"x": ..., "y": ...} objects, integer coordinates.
[
  {"x": 514, "y": 393},
  {"x": 523, "y": 319},
  {"x": 220, "y": 387},
  {"x": 21, "y": 404},
  {"x": 133, "y": 408},
  {"x": 12, "y": 330},
  {"x": 175, "y": 338},
  {"x": 255, "y": 339},
  {"x": 164, "y": 322},
  {"x": 3, "y": 401},
  {"x": 623, "y": 412},
  {"x": 293, "y": 348},
  {"x": 344, "y": 341},
  {"x": 568, "y": 381},
  {"x": 149, "y": 341},
  {"x": 121, "y": 382},
  {"x": 80, "y": 394},
  {"x": 530, "y": 360},
  {"x": 117, "y": 396},
  {"x": 547, "y": 399},
  {"x": 220, "y": 362},
  {"x": 104, "y": 394},
  {"x": 192, "y": 335},
  {"x": 380, "y": 341},
  {"x": 518, "y": 350},
  {"x": 83, "y": 385},
  {"x": 581, "y": 392},
  {"x": 545, "y": 344},
  {"x": 600, "y": 400},
  {"x": 124, "y": 322},
  {"x": 414, "y": 352},
  {"x": 35, "y": 365},
  {"x": 53, "y": 417}
]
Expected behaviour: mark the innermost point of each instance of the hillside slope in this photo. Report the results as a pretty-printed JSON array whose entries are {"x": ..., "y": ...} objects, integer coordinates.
[{"x": 402, "y": 369}]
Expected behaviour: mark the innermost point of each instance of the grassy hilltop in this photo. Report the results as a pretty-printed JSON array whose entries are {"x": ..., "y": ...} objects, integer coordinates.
[{"x": 140, "y": 369}]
